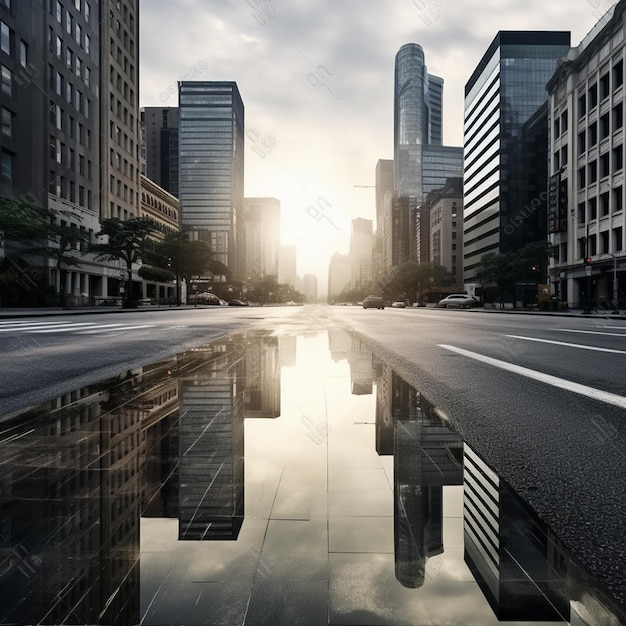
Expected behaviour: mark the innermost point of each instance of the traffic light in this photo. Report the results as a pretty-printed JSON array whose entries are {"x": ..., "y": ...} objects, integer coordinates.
[
  {"x": 534, "y": 268},
  {"x": 587, "y": 260}
]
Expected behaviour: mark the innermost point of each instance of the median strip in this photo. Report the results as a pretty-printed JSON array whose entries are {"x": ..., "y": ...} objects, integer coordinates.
[{"x": 561, "y": 383}]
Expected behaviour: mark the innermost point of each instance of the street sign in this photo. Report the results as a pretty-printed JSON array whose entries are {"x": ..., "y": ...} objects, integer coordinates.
[{"x": 587, "y": 270}]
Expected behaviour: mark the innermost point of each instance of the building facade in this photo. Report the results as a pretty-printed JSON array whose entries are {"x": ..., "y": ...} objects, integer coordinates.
[
  {"x": 586, "y": 219},
  {"x": 446, "y": 227},
  {"x": 421, "y": 162},
  {"x": 504, "y": 176},
  {"x": 159, "y": 128},
  {"x": 65, "y": 146},
  {"x": 362, "y": 245},
  {"x": 262, "y": 237},
  {"x": 384, "y": 199},
  {"x": 211, "y": 169},
  {"x": 339, "y": 275}
]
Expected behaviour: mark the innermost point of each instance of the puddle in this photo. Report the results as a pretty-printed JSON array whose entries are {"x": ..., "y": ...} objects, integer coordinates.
[{"x": 261, "y": 479}]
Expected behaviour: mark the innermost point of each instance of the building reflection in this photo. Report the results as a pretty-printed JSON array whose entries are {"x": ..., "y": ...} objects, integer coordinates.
[{"x": 427, "y": 456}]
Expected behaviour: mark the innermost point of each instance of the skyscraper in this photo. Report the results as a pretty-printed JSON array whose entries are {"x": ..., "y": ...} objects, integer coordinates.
[
  {"x": 505, "y": 167},
  {"x": 211, "y": 165},
  {"x": 160, "y": 145},
  {"x": 70, "y": 139},
  {"x": 262, "y": 234},
  {"x": 421, "y": 162}
]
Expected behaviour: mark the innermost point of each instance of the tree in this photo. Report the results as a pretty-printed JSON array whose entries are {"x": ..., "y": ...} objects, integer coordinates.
[
  {"x": 22, "y": 221},
  {"x": 126, "y": 241}
]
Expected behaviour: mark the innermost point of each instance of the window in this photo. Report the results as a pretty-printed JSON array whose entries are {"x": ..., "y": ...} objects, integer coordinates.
[
  {"x": 6, "y": 164},
  {"x": 564, "y": 122},
  {"x": 604, "y": 241},
  {"x": 618, "y": 158},
  {"x": 618, "y": 116},
  {"x": 592, "y": 96},
  {"x": 582, "y": 247},
  {"x": 604, "y": 165},
  {"x": 582, "y": 106},
  {"x": 592, "y": 209},
  {"x": 618, "y": 74},
  {"x": 593, "y": 172},
  {"x": 582, "y": 142},
  {"x": 564, "y": 155},
  {"x": 7, "y": 122},
  {"x": 618, "y": 199},
  {"x": 592, "y": 134},
  {"x": 5, "y": 38},
  {"x": 557, "y": 161},
  {"x": 581, "y": 213},
  {"x": 23, "y": 54},
  {"x": 593, "y": 245},
  {"x": 557, "y": 127},
  {"x": 604, "y": 204},
  {"x": 7, "y": 80},
  {"x": 618, "y": 239},
  {"x": 605, "y": 126},
  {"x": 605, "y": 86}
]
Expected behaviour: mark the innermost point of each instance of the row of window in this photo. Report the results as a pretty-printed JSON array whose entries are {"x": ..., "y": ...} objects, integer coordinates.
[
  {"x": 600, "y": 206},
  {"x": 162, "y": 207},
  {"x": 67, "y": 189},
  {"x": 67, "y": 157},
  {"x": 597, "y": 244},
  {"x": 65, "y": 89},
  {"x": 117, "y": 107},
  {"x": 73, "y": 61},
  {"x": 9, "y": 44},
  {"x": 71, "y": 126},
  {"x": 608, "y": 163},
  {"x": 610, "y": 81},
  {"x": 63, "y": 15},
  {"x": 122, "y": 165}
]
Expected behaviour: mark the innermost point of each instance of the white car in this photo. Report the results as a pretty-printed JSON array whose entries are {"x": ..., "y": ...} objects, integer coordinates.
[
  {"x": 398, "y": 304},
  {"x": 457, "y": 301}
]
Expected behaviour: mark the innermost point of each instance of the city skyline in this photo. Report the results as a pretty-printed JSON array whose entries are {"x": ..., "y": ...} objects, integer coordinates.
[{"x": 308, "y": 76}]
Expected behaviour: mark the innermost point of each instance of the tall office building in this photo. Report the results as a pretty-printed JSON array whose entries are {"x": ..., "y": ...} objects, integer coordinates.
[
  {"x": 384, "y": 198},
  {"x": 159, "y": 126},
  {"x": 262, "y": 236},
  {"x": 211, "y": 165},
  {"x": 287, "y": 266},
  {"x": 421, "y": 162},
  {"x": 505, "y": 165},
  {"x": 69, "y": 138}
]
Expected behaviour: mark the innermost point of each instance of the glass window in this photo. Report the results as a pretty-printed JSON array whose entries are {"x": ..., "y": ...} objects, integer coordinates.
[
  {"x": 618, "y": 74},
  {"x": 5, "y": 38},
  {"x": 618, "y": 158},
  {"x": 604, "y": 165},
  {"x": 7, "y": 122},
  {"x": 605, "y": 86},
  {"x": 618, "y": 239},
  {"x": 6, "y": 164},
  {"x": 7, "y": 80},
  {"x": 604, "y": 204},
  {"x": 593, "y": 96},
  {"x": 23, "y": 53},
  {"x": 618, "y": 116}
]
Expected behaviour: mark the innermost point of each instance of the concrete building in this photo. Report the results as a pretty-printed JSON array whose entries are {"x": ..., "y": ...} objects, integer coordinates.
[
  {"x": 384, "y": 199},
  {"x": 362, "y": 243},
  {"x": 446, "y": 227},
  {"x": 505, "y": 145},
  {"x": 159, "y": 146},
  {"x": 211, "y": 167},
  {"x": 287, "y": 266},
  {"x": 70, "y": 133},
  {"x": 586, "y": 218},
  {"x": 339, "y": 275},
  {"x": 308, "y": 287},
  {"x": 262, "y": 237}
]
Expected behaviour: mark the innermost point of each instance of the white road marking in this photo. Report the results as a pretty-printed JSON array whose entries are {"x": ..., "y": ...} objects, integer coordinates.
[
  {"x": 59, "y": 329},
  {"x": 39, "y": 325},
  {"x": 561, "y": 383},
  {"x": 104, "y": 328},
  {"x": 591, "y": 332},
  {"x": 568, "y": 345}
]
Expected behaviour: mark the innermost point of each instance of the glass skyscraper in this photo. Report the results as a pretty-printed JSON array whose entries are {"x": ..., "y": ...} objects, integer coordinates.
[
  {"x": 211, "y": 166},
  {"x": 506, "y": 143},
  {"x": 421, "y": 162}
]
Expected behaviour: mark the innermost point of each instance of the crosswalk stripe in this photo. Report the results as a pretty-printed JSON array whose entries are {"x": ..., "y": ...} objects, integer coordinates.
[{"x": 104, "y": 329}]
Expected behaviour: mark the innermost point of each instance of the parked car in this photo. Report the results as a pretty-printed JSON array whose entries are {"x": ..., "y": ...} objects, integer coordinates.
[
  {"x": 457, "y": 301},
  {"x": 373, "y": 302},
  {"x": 237, "y": 303},
  {"x": 398, "y": 304}
]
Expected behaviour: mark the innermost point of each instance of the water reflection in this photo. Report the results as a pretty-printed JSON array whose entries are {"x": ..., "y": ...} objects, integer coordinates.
[{"x": 265, "y": 479}]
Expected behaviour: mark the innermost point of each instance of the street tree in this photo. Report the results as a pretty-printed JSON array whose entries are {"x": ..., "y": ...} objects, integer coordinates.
[{"x": 126, "y": 241}]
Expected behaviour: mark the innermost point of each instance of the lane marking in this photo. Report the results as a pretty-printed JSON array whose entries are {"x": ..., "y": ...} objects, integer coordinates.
[
  {"x": 104, "y": 329},
  {"x": 60, "y": 329},
  {"x": 561, "y": 383},
  {"x": 591, "y": 332},
  {"x": 569, "y": 345},
  {"x": 29, "y": 327}
]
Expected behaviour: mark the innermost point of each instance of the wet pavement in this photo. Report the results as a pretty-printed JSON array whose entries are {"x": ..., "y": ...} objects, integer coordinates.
[{"x": 288, "y": 478}]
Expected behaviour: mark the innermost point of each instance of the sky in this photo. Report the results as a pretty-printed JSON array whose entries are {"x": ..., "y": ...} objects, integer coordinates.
[{"x": 316, "y": 79}]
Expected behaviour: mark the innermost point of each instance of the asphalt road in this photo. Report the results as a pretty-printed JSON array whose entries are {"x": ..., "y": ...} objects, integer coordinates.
[
  {"x": 542, "y": 397},
  {"x": 47, "y": 356}
]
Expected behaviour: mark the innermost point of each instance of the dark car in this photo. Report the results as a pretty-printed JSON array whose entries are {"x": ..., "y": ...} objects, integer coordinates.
[
  {"x": 373, "y": 302},
  {"x": 237, "y": 303}
]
